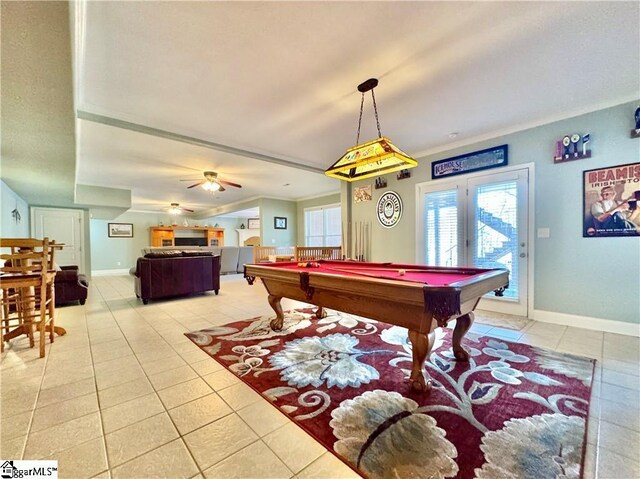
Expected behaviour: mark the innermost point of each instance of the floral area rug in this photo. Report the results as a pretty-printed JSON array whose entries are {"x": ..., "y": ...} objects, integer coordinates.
[{"x": 513, "y": 411}]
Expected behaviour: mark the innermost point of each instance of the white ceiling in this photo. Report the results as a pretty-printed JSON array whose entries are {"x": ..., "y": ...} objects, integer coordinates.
[{"x": 166, "y": 90}]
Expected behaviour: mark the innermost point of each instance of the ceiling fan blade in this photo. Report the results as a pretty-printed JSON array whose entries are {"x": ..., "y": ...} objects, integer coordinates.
[
  {"x": 196, "y": 184},
  {"x": 228, "y": 183},
  {"x": 222, "y": 188},
  {"x": 186, "y": 209}
]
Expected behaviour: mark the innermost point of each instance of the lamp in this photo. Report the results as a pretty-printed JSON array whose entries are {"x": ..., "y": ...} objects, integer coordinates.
[{"x": 373, "y": 158}]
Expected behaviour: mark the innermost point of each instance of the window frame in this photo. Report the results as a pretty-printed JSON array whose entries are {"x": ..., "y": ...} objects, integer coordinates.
[{"x": 324, "y": 224}]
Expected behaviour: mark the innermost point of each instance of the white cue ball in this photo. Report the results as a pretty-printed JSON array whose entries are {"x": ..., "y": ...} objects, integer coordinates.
[{"x": 401, "y": 272}]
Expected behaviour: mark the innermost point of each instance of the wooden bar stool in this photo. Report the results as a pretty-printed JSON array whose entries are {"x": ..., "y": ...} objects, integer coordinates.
[{"x": 27, "y": 290}]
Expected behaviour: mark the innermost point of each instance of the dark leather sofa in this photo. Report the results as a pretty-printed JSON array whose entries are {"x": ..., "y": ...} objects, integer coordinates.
[
  {"x": 176, "y": 273},
  {"x": 70, "y": 286}
]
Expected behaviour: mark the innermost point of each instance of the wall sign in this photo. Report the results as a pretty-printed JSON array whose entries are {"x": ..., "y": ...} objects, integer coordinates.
[
  {"x": 389, "y": 209},
  {"x": 476, "y": 161}
]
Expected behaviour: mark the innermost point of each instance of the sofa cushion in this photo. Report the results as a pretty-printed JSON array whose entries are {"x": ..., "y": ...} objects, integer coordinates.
[
  {"x": 197, "y": 253},
  {"x": 164, "y": 254},
  {"x": 229, "y": 259}
]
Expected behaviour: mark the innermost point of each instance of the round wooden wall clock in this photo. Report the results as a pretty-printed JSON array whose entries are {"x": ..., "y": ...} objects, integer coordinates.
[{"x": 389, "y": 209}]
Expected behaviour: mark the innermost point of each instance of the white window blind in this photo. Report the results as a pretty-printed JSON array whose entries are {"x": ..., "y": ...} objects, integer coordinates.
[
  {"x": 323, "y": 226},
  {"x": 441, "y": 228}
]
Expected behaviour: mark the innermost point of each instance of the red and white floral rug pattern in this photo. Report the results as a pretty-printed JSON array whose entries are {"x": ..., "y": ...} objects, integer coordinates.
[{"x": 514, "y": 411}]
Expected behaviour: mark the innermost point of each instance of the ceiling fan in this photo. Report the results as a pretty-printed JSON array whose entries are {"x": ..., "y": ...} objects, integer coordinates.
[
  {"x": 176, "y": 209},
  {"x": 212, "y": 183}
]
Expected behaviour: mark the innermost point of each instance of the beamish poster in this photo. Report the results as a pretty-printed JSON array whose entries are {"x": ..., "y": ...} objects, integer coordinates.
[{"x": 612, "y": 201}]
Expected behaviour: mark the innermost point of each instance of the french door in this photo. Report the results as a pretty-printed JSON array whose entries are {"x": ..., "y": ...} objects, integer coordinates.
[{"x": 479, "y": 221}]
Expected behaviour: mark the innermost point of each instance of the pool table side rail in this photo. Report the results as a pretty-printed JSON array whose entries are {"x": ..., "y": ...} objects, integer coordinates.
[{"x": 441, "y": 302}]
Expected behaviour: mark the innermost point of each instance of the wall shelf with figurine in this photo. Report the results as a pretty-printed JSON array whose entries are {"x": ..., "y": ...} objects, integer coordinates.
[
  {"x": 572, "y": 147},
  {"x": 576, "y": 156}
]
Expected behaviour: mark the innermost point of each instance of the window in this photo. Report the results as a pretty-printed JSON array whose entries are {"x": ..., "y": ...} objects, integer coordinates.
[
  {"x": 441, "y": 228},
  {"x": 323, "y": 226}
]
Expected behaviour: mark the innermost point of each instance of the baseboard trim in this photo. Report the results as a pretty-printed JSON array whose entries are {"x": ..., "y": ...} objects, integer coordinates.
[
  {"x": 109, "y": 272},
  {"x": 586, "y": 322}
]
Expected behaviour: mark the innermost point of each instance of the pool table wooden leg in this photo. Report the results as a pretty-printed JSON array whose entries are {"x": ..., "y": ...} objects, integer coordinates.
[
  {"x": 321, "y": 313},
  {"x": 463, "y": 323},
  {"x": 421, "y": 347},
  {"x": 277, "y": 322}
]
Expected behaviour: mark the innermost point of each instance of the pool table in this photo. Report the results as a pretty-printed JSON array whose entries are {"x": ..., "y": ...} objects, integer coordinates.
[{"x": 419, "y": 298}]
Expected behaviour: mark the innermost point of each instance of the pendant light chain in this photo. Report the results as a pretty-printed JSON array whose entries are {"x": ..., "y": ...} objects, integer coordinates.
[
  {"x": 371, "y": 158},
  {"x": 375, "y": 109},
  {"x": 360, "y": 120}
]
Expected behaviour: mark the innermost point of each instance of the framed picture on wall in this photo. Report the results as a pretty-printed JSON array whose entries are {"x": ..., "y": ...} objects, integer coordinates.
[
  {"x": 280, "y": 223},
  {"x": 253, "y": 223},
  {"x": 120, "y": 230},
  {"x": 611, "y": 200}
]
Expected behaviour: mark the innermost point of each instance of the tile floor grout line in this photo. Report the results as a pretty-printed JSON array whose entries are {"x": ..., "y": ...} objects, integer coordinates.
[
  {"x": 166, "y": 411},
  {"x": 95, "y": 379}
]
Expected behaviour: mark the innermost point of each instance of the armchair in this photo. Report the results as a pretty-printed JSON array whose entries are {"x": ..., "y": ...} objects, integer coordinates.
[{"x": 70, "y": 286}]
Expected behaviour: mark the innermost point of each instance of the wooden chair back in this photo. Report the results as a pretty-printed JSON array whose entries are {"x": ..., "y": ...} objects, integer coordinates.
[
  {"x": 27, "y": 287},
  {"x": 314, "y": 253}
]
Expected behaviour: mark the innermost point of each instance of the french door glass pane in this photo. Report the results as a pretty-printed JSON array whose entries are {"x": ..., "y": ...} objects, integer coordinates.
[
  {"x": 496, "y": 234},
  {"x": 441, "y": 228}
]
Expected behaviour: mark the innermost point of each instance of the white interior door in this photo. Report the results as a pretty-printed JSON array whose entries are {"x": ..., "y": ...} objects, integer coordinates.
[
  {"x": 480, "y": 221},
  {"x": 63, "y": 226}
]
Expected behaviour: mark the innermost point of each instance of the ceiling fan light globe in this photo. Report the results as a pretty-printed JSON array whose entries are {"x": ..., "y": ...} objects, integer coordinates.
[{"x": 211, "y": 186}]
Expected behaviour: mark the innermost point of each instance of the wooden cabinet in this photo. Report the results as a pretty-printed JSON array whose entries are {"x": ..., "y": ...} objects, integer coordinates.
[{"x": 166, "y": 235}]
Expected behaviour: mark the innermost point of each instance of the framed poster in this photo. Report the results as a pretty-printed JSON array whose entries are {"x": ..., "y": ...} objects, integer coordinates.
[
  {"x": 120, "y": 230},
  {"x": 611, "y": 201},
  {"x": 362, "y": 193},
  {"x": 476, "y": 161}
]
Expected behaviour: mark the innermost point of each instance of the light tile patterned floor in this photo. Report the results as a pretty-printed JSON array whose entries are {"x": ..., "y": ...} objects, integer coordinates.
[{"x": 126, "y": 395}]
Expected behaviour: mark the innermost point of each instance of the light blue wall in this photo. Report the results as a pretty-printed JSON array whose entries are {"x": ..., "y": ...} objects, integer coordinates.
[
  {"x": 593, "y": 277},
  {"x": 9, "y": 200},
  {"x": 121, "y": 253},
  {"x": 107, "y": 252},
  {"x": 268, "y": 210}
]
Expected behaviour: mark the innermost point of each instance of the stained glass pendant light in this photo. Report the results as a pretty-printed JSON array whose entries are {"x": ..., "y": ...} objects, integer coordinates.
[{"x": 373, "y": 158}]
